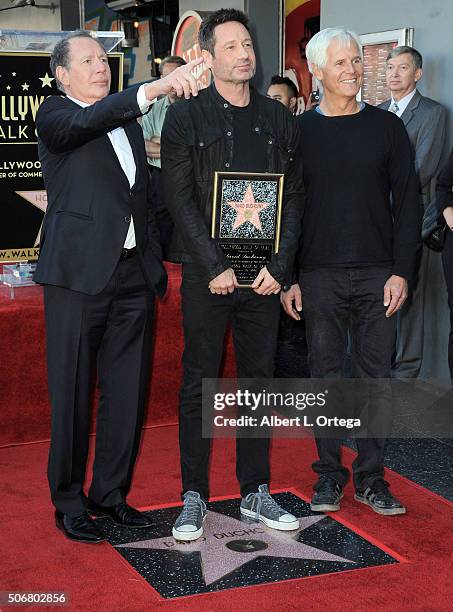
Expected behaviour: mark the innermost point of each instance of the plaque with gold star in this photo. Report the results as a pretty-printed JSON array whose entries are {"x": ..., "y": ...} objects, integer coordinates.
[{"x": 246, "y": 220}]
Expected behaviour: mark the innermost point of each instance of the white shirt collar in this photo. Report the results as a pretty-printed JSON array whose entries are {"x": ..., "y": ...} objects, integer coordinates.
[
  {"x": 79, "y": 102},
  {"x": 402, "y": 104}
]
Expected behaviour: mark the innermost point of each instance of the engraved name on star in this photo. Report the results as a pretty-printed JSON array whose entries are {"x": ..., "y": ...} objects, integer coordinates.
[
  {"x": 46, "y": 80},
  {"x": 248, "y": 210},
  {"x": 218, "y": 560}
]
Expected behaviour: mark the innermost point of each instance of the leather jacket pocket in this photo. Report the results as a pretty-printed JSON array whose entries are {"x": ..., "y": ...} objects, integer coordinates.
[{"x": 206, "y": 150}]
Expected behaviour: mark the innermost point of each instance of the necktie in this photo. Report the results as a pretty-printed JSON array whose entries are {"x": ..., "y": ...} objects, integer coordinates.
[{"x": 394, "y": 108}]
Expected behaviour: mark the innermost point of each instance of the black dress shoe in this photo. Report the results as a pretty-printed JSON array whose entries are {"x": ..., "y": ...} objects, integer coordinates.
[
  {"x": 121, "y": 514},
  {"x": 79, "y": 528}
]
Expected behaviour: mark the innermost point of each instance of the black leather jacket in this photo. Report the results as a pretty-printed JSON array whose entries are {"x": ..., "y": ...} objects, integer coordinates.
[{"x": 197, "y": 139}]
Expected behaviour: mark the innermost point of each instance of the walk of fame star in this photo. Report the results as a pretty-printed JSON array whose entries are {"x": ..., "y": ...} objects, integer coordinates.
[
  {"x": 38, "y": 199},
  {"x": 248, "y": 209},
  {"x": 219, "y": 559},
  {"x": 234, "y": 553}
]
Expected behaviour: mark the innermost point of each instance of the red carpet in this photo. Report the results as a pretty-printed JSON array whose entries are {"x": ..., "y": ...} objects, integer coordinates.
[
  {"x": 24, "y": 403},
  {"x": 36, "y": 557}
]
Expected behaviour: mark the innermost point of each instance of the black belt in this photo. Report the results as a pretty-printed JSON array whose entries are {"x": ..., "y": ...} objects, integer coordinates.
[{"x": 128, "y": 253}]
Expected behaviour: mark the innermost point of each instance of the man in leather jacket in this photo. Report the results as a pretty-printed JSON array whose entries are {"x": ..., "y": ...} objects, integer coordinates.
[{"x": 227, "y": 127}]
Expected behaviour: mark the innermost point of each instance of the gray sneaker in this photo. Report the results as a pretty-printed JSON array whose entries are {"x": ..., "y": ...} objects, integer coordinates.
[
  {"x": 262, "y": 507},
  {"x": 189, "y": 524}
]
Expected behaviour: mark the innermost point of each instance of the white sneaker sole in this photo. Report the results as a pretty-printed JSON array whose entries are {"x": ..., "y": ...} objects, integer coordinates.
[
  {"x": 272, "y": 524},
  {"x": 326, "y": 507},
  {"x": 187, "y": 536},
  {"x": 383, "y": 511}
]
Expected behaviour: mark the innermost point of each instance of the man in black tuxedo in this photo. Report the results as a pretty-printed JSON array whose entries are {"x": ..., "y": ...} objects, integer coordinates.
[{"x": 100, "y": 264}]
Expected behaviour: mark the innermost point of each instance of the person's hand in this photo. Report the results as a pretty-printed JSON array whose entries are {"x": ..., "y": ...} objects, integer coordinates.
[
  {"x": 180, "y": 81},
  {"x": 152, "y": 148},
  {"x": 448, "y": 216},
  {"x": 292, "y": 301},
  {"x": 265, "y": 283},
  {"x": 395, "y": 294},
  {"x": 224, "y": 283}
]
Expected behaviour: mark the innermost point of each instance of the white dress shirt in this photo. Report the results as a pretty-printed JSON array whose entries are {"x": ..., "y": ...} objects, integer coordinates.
[
  {"x": 122, "y": 148},
  {"x": 402, "y": 104}
]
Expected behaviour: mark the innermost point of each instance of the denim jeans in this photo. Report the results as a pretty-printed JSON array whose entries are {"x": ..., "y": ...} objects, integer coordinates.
[
  {"x": 337, "y": 301},
  {"x": 254, "y": 320}
]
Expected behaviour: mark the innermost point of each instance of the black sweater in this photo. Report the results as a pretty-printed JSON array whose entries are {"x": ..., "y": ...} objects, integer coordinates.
[{"x": 363, "y": 206}]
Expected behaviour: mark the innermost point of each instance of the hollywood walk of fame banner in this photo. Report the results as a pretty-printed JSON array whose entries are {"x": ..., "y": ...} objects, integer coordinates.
[
  {"x": 246, "y": 220},
  {"x": 25, "y": 82}
]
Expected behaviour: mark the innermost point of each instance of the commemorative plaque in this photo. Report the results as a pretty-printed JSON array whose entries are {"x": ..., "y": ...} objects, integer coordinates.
[{"x": 246, "y": 220}]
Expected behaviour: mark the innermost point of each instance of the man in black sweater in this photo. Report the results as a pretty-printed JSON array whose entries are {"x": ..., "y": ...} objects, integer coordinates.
[{"x": 358, "y": 249}]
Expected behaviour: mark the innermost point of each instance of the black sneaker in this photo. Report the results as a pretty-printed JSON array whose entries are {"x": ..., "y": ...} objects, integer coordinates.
[
  {"x": 379, "y": 498},
  {"x": 328, "y": 493}
]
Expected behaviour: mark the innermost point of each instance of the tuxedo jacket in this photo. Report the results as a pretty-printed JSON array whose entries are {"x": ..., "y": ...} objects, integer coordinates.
[
  {"x": 425, "y": 124},
  {"x": 90, "y": 201}
]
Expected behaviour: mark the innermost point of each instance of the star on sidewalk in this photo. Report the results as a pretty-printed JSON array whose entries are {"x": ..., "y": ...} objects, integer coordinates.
[
  {"x": 227, "y": 544},
  {"x": 248, "y": 209},
  {"x": 46, "y": 80},
  {"x": 38, "y": 199}
]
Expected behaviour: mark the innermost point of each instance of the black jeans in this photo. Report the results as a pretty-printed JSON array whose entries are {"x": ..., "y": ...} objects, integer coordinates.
[
  {"x": 254, "y": 320},
  {"x": 447, "y": 261},
  {"x": 164, "y": 221},
  {"x": 336, "y": 301}
]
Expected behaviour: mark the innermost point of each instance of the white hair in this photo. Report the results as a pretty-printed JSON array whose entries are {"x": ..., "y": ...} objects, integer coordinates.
[{"x": 316, "y": 50}]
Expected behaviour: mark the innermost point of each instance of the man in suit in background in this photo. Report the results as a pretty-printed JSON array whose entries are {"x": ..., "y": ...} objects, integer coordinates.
[
  {"x": 100, "y": 264},
  {"x": 425, "y": 124}
]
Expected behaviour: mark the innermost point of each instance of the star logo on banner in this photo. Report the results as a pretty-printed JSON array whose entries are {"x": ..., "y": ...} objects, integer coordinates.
[
  {"x": 248, "y": 209},
  {"x": 46, "y": 80},
  {"x": 13, "y": 74},
  {"x": 38, "y": 199},
  {"x": 8, "y": 87},
  {"x": 227, "y": 544},
  {"x": 25, "y": 86}
]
